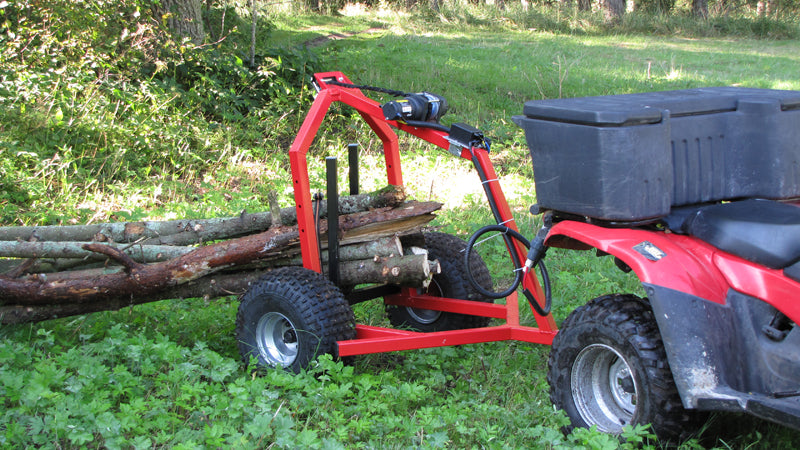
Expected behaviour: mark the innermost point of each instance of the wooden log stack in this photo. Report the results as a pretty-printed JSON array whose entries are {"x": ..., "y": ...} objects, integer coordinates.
[{"x": 56, "y": 271}]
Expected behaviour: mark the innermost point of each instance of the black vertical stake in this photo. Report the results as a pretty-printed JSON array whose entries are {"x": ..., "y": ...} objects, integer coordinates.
[
  {"x": 333, "y": 219},
  {"x": 352, "y": 160}
]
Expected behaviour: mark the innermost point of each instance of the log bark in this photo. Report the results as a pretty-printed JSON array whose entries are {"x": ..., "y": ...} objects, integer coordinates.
[
  {"x": 143, "y": 280},
  {"x": 413, "y": 271},
  {"x": 384, "y": 247},
  {"x": 140, "y": 253},
  {"x": 188, "y": 232},
  {"x": 15, "y": 268},
  {"x": 217, "y": 285},
  {"x": 405, "y": 218},
  {"x": 410, "y": 270},
  {"x": 62, "y": 256}
]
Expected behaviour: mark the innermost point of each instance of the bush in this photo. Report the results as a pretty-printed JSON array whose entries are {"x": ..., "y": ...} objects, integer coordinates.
[{"x": 96, "y": 93}]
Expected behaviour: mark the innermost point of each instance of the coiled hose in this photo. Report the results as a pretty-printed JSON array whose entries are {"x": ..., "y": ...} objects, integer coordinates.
[{"x": 508, "y": 234}]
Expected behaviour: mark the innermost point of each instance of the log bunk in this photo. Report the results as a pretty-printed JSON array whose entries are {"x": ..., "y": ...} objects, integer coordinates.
[{"x": 56, "y": 271}]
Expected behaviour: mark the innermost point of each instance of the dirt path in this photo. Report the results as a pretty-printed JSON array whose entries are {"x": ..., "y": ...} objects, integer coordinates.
[{"x": 322, "y": 40}]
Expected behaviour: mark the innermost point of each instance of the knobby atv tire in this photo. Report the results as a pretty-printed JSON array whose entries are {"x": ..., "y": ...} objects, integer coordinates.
[
  {"x": 452, "y": 282},
  {"x": 609, "y": 356},
  {"x": 291, "y": 316}
]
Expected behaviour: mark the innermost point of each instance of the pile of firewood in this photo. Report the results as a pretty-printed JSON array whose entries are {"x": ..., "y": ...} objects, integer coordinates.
[{"x": 57, "y": 271}]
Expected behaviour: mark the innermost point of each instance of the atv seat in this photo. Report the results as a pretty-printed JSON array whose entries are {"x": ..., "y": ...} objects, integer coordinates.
[{"x": 762, "y": 231}]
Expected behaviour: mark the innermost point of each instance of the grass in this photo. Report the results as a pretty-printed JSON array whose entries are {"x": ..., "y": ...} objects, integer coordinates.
[{"x": 167, "y": 374}]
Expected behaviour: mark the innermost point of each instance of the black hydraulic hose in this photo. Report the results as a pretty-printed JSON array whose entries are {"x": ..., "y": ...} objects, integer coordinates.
[
  {"x": 496, "y": 213},
  {"x": 317, "y": 206},
  {"x": 517, "y": 266},
  {"x": 365, "y": 87},
  {"x": 432, "y": 125},
  {"x": 508, "y": 234},
  {"x": 548, "y": 293}
]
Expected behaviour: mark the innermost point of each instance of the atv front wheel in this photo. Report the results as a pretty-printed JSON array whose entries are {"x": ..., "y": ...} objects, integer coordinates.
[{"x": 608, "y": 368}]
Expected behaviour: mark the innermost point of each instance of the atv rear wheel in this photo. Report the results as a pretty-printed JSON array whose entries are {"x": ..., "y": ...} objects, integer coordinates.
[
  {"x": 291, "y": 316},
  {"x": 608, "y": 368},
  {"x": 452, "y": 282}
]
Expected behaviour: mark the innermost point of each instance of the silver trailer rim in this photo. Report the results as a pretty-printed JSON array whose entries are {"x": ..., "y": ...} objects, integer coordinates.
[
  {"x": 276, "y": 337},
  {"x": 427, "y": 316}
]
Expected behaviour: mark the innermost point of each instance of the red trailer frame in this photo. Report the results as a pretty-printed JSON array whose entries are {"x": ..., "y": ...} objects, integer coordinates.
[{"x": 371, "y": 339}]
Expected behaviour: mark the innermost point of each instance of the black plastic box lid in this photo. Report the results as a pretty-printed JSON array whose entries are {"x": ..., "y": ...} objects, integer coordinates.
[{"x": 647, "y": 108}]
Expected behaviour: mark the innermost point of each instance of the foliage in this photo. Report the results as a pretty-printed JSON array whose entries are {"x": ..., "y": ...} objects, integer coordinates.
[
  {"x": 121, "y": 387},
  {"x": 649, "y": 18},
  {"x": 89, "y": 99}
]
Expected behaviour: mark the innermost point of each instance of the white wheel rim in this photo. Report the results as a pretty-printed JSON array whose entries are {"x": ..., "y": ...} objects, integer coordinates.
[{"x": 276, "y": 337}]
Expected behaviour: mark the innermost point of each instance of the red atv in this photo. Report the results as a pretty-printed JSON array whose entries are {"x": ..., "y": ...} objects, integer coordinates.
[{"x": 691, "y": 190}]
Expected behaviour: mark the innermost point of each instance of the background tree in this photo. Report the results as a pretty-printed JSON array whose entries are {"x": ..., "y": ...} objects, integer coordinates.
[
  {"x": 614, "y": 9},
  {"x": 700, "y": 8},
  {"x": 183, "y": 17}
]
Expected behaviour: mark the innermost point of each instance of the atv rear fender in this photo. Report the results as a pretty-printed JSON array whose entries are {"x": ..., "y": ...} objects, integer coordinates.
[
  {"x": 711, "y": 322},
  {"x": 681, "y": 263},
  {"x": 677, "y": 262}
]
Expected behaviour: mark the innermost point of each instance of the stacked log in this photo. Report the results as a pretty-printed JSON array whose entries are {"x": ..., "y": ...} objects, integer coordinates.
[{"x": 58, "y": 271}]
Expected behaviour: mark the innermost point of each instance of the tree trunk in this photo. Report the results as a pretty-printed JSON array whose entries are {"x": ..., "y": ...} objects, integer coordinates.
[
  {"x": 614, "y": 9},
  {"x": 700, "y": 8},
  {"x": 313, "y": 5},
  {"x": 59, "y": 248},
  {"x": 141, "y": 279},
  {"x": 254, "y": 22},
  {"x": 772, "y": 7},
  {"x": 75, "y": 250},
  {"x": 183, "y": 17}
]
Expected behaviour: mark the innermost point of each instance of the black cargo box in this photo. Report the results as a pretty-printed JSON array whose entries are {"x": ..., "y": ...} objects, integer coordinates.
[{"x": 632, "y": 157}]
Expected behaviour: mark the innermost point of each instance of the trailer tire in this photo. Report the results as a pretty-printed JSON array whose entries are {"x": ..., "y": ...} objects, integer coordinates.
[
  {"x": 452, "y": 282},
  {"x": 608, "y": 368},
  {"x": 291, "y": 316}
]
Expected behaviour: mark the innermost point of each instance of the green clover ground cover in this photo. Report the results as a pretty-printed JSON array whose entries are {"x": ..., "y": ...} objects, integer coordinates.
[{"x": 125, "y": 388}]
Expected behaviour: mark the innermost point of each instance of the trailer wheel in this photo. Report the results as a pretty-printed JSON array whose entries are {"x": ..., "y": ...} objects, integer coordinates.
[
  {"x": 452, "y": 282},
  {"x": 291, "y": 316},
  {"x": 608, "y": 368}
]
